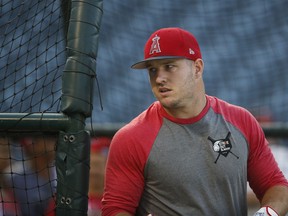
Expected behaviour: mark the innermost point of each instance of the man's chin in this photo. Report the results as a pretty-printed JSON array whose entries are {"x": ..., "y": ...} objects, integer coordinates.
[{"x": 168, "y": 103}]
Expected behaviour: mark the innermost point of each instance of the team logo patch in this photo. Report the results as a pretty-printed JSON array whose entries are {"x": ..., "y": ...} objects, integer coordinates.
[
  {"x": 155, "y": 46},
  {"x": 222, "y": 146}
]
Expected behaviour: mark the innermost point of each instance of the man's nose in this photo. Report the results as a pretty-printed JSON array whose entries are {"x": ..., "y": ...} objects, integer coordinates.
[{"x": 161, "y": 76}]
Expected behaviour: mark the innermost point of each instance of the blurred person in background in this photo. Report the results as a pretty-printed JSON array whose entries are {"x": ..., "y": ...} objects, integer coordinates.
[
  {"x": 34, "y": 178},
  {"x": 98, "y": 157},
  {"x": 8, "y": 205}
]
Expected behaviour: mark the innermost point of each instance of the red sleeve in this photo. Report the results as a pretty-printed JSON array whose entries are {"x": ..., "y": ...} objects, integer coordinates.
[
  {"x": 263, "y": 170},
  {"x": 127, "y": 157}
]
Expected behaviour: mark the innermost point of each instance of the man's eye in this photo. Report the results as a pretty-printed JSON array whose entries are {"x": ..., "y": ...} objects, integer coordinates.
[
  {"x": 152, "y": 70},
  {"x": 169, "y": 66}
]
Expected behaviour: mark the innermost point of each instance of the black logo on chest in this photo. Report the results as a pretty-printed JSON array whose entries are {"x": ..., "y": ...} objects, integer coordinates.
[{"x": 222, "y": 146}]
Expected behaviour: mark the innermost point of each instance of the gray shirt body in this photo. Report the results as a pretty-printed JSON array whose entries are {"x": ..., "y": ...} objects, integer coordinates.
[{"x": 192, "y": 168}]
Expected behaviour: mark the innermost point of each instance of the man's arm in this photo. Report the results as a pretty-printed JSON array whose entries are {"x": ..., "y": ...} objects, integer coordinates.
[{"x": 276, "y": 197}]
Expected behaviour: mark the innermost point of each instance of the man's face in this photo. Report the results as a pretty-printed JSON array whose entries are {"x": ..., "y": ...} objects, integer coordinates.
[{"x": 173, "y": 81}]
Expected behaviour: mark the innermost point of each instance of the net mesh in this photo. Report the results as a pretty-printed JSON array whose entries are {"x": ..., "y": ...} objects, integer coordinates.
[
  {"x": 27, "y": 174},
  {"x": 32, "y": 54}
]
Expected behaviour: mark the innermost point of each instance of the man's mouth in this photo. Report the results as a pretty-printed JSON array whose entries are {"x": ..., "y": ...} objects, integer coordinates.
[{"x": 164, "y": 90}]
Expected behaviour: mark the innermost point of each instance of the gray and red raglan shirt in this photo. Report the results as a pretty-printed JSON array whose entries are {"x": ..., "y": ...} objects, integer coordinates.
[{"x": 162, "y": 165}]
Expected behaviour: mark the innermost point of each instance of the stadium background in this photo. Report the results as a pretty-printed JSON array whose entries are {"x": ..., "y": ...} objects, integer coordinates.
[{"x": 244, "y": 47}]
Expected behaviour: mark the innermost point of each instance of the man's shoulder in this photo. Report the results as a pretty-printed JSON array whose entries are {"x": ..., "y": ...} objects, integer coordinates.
[
  {"x": 222, "y": 106},
  {"x": 148, "y": 120},
  {"x": 141, "y": 131},
  {"x": 239, "y": 116}
]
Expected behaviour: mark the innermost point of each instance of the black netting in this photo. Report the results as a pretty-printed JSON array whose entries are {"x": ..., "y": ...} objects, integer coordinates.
[
  {"x": 27, "y": 174},
  {"x": 32, "y": 55}
]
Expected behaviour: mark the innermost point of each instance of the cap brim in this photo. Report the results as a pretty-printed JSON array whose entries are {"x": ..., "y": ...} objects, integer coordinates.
[{"x": 144, "y": 64}]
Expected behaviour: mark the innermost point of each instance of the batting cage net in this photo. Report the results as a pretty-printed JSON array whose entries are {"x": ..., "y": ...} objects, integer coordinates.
[
  {"x": 243, "y": 43},
  {"x": 27, "y": 175},
  {"x": 32, "y": 53}
]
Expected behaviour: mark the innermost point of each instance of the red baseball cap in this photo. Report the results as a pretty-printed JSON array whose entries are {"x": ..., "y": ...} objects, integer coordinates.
[{"x": 168, "y": 43}]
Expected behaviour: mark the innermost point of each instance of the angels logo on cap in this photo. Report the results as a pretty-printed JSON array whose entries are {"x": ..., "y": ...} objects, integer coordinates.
[
  {"x": 155, "y": 47},
  {"x": 169, "y": 43}
]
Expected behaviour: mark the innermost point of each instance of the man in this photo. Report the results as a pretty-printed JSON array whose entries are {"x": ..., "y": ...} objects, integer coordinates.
[
  {"x": 8, "y": 205},
  {"x": 34, "y": 181},
  {"x": 189, "y": 153}
]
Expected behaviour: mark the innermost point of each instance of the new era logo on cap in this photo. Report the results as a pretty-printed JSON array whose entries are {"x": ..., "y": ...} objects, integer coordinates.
[
  {"x": 191, "y": 51},
  {"x": 169, "y": 43}
]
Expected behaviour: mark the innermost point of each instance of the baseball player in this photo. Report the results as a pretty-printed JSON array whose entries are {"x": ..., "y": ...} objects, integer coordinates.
[{"x": 189, "y": 153}]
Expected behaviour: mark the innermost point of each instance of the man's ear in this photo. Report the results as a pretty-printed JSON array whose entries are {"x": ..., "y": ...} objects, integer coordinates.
[{"x": 199, "y": 65}]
